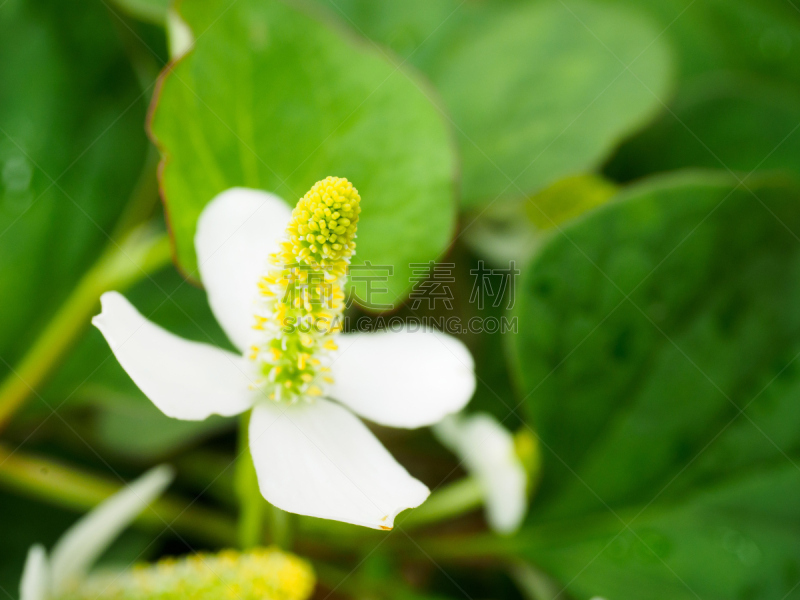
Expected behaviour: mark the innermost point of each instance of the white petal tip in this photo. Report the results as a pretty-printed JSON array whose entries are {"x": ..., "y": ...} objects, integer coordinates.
[
  {"x": 320, "y": 460},
  {"x": 185, "y": 379},
  {"x": 387, "y": 522},
  {"x": 383, "y": 523},
  {"x": 106, "y": 300},
  {"x": 488, "y": 452},
  {"x": 156, "y": 480},
  {"x": 81, "y": 545},
  {"x": 35, "y": 575}
]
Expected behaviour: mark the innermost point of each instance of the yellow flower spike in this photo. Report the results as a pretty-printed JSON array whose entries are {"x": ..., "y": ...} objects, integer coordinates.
[
  {"x": 313, "y": 212},
  {"x": 260, "y": 574},
  {"x": 302, "y": 294}
]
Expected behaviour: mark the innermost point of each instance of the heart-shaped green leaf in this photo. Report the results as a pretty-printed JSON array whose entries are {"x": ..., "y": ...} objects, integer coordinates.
[
  {"x": 756, "y": 36},
  {"x": 733, "y": 540},
  {"x": 273, "y": 99},
  {"x": 536, "y": 91},
  {"x": 656, "y": 357},
  {"x": 734, "y": 122}
]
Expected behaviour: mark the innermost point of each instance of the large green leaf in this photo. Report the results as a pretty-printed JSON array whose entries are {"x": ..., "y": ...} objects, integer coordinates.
[
  {"x": 271, "y": 98},
  {"x": 759, "y": 36},
  {"x": 739, "y": 102},
  {"x": 656, "y": 358},
  {"x": 536, "y": 91},
  {"x": 738, "y": 123},
  {"x": 736, "y": 540},
  {"x": 71, "y": 144}
]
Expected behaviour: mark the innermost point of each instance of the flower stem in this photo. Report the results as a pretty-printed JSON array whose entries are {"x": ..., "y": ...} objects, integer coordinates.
[
  {"x": 280, "y": 527},
  {"x": 76, "y": 489},
  {"x": 251, "y": 504},
  {"x": 142, "y": 252}
]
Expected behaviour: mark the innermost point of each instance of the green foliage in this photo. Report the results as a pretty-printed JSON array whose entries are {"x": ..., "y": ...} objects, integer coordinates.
[
  {"x": 760, "y": 36},
  {"x": 71, "y": 147},
  {"x": 25, "y": 523},
  {"x": 152, "y": 11},
  {"x": 657, "y": 333},
  {"x": 301, "y": 102},
  {"x": 567, "y": 199},
  {"x": 656, "y": 357},
  {"x": 535, "y": 92},
  {"x": 739, "y": 101},
  {"x": 723, "y": 122}
]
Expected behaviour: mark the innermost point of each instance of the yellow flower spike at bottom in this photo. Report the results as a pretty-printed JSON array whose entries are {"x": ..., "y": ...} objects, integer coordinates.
[
  {"x": 261, "y": 574},
  {"x": 302, "y": 292}
]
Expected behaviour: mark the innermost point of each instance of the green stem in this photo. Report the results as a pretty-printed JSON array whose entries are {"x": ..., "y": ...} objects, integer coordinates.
[
  {"x": 280, "y": 527},
  {"x": 533, "y": 583},
  {"x": 76, "y": 489},
  {"x": 142, "y": 252},
  {"x": 144, "y": 198},
  {"x": 251, "y": 504},
  {"x": 459, "y": 548},
  {"x": 219, "y": 482},
  {"x": 448, "y": 502}
]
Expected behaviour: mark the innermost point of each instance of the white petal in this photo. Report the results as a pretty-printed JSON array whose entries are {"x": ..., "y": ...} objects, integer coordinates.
[
  {"x": 180, "y": 38},
  {"x": 319, "y": 459},
  {"x": 186, "y": 380},
  {"x": 236, "y": 233},
  {"x": 487, "y": 450},
  {"x": 35, "y": 576},
  {"x": 85, "y": 541},
  {"x": 402, "y": 379}
]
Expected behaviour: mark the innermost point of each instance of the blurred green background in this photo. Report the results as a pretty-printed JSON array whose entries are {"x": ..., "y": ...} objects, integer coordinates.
[{"x": 639, "y": 163}]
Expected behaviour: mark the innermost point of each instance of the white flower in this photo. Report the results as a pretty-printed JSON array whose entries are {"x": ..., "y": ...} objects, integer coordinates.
[
  {"x": 313, "y": 456},
  {"x": 488, "y": 452},
  {"x": 83, "y": 543}
]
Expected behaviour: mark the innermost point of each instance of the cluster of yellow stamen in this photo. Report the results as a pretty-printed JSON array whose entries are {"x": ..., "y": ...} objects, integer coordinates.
[
  {"x": 303, "y": 293},
  {"x": 261, "y": 574}
]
